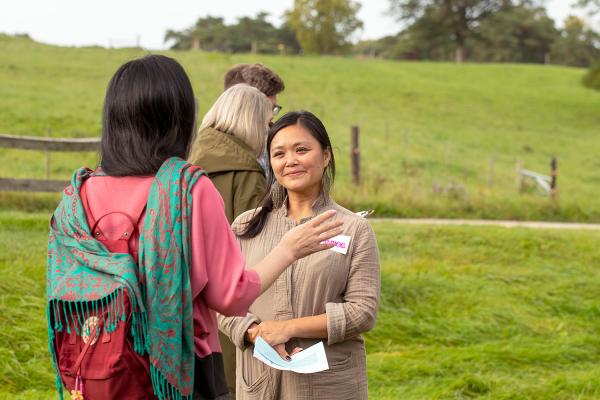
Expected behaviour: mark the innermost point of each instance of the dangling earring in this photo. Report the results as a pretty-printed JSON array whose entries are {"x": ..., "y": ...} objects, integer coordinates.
[{"x": 277, "y": 195}]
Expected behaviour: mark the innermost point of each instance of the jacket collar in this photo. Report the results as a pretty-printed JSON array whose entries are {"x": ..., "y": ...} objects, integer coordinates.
[{"x": 216, "y": 151}]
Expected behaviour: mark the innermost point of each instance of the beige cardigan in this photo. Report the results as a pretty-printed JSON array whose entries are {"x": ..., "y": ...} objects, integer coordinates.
[{"x": 345, "y": 287}]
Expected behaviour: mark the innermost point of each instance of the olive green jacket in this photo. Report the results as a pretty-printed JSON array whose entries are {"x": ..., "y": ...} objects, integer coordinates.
[{"x": 231, "y": 165}]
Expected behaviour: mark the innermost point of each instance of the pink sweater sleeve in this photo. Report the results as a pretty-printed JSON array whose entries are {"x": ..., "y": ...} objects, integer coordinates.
[{"x": 218, "y": 271}]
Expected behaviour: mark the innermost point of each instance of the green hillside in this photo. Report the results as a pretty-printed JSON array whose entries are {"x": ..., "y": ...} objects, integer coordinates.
[{"x": 429, "y": 131}]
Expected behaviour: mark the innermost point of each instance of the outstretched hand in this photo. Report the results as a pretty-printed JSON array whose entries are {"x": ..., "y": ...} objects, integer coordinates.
[{"x": 308, "y": 238}]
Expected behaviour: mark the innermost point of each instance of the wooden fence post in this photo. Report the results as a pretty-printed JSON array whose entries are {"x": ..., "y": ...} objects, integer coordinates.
[
  {"x": 355, "y": 155},
  {"x": 553, "y": 175}
]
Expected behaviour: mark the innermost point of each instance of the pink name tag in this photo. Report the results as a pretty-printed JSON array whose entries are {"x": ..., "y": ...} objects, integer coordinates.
[{"x": 340, "y": 242}]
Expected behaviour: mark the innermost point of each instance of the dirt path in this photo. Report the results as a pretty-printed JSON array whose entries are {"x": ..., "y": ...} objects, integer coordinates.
[{"x": 481, "y": 222}]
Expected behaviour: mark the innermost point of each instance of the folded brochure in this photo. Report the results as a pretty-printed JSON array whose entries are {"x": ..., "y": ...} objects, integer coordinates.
[{"x": 310, "y": 360}]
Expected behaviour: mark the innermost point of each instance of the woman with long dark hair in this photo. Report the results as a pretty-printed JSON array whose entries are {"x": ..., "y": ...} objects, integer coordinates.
[
  {"x": 141, "y": 253},
  {"x": 331, "y": 296}
]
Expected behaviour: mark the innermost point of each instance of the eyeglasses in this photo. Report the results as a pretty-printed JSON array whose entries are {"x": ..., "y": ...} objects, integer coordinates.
[{"x": 276, "y": 109}]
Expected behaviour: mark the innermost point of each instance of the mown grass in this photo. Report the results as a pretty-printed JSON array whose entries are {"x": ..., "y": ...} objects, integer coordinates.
[
  {"x": 429, "y": 131},
  {"x": 466, "y": 312}
]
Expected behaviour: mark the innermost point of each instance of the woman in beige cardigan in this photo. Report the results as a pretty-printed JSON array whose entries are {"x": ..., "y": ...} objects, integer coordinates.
[{"x": 328, "y": 296}]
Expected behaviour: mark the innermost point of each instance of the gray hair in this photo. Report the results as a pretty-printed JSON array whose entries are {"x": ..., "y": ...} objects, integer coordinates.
[{"x": 244, "y": 112}]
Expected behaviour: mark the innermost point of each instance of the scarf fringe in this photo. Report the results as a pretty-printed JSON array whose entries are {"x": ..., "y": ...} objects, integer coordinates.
[
  {"x": 67, "y": 314},
  {"x": 58, "y": 381},
  {"x": 163, "y": 388}
]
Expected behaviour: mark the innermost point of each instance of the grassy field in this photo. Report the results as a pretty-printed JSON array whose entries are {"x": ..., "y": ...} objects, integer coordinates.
[
  {"x": 429, "y": 131},
  {"x": 466, "y": 312}
]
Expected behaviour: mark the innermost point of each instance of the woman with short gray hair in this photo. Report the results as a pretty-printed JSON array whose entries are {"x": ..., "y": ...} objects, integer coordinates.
[
  {"x": 230, "y": 140},
  {"x": 231, "y": 137}
]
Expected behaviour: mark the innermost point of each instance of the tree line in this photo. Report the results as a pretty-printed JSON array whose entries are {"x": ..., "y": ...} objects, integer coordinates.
[{"x": 439, "y": 30}]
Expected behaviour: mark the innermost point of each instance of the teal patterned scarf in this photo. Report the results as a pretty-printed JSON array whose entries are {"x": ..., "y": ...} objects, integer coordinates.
[{"x": 84, "y": 278}]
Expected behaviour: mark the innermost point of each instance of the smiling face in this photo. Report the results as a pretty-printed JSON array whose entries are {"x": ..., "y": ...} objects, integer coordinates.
[{"x": 298, "y": 160}]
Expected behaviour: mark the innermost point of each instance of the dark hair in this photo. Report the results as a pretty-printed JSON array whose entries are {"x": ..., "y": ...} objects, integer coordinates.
[
  {"x": 256, "y": 75},
  {"x": 316, "y": 128},
  {"x": 149, "y": 115}
]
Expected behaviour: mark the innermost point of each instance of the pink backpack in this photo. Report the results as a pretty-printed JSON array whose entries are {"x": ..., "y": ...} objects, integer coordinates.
[{"x": 104, "y": 366}]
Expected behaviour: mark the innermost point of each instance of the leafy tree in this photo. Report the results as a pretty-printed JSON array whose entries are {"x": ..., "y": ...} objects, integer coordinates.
[
  {"x": 247, "y": 35},
  {"x": 324, "y": 26},
  {"x": 456, "y": 19},
  {"x": 578, "y": 45},
  {"x": 516, "y": 33},
  {"x": 253, "y": 35},
  {"x": 288, "y": 42},
  {"x": 209, "y": 33},
  {"x": 427, "y": 39}
]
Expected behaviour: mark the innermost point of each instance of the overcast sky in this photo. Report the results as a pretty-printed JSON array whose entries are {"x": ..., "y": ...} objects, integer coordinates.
[{"x": 124, "y": 22}]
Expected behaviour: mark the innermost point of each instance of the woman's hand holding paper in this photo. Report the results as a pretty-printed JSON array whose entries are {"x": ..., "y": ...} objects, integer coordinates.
[{"x": 275, "y": 333}]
